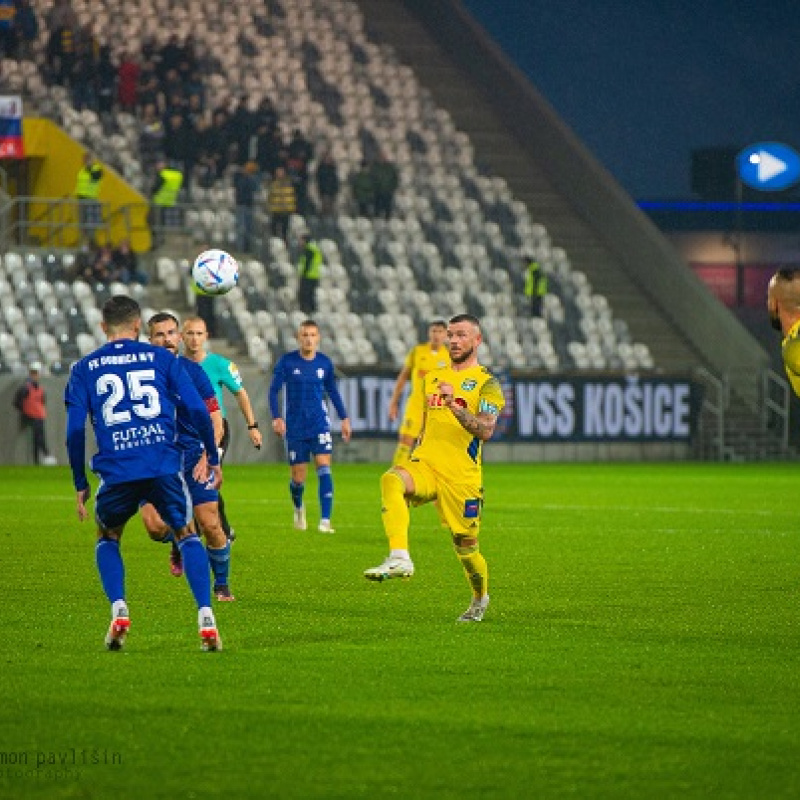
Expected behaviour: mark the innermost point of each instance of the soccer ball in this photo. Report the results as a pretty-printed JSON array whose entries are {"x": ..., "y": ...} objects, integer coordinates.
[{"x": 214, "y": 272}]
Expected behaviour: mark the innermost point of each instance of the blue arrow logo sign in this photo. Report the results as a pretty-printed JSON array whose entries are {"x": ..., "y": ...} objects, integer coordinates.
[{"x": 769, "y": 166}]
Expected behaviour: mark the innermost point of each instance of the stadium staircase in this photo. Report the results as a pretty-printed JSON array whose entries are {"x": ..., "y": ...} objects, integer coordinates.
[{"x": 499, "y": 151}]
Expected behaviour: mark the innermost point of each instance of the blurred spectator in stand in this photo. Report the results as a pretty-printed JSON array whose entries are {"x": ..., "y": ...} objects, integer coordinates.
[
  {"x": 8, "y": 29},
  {"x": 100, "y": 269},
  {"x": 363, "y": 190},
  {"x": 151, "y": 138},
  {"x": 174, "y": 91},
  {"x": 170, "y": 57},
  {"x": 128, "y": 83},
  {"x": 60, "y": 54},
  {"x": 385, "y": 181},
  {"x": 87, "y": 42},
  {"x": 106, "y": 83},
  {"x": 242, "y": 125},
  {"x": 194, "y": 86},
  {"x": 281, "y": 204},
  {"x": 327, "y": 184},
  {"x": 180, "y": 145},
  {"x": 267, "y": 115},
  {"x": 27, "y": 28},
  {"x": 149, "y": 88},
  {"x": 270, "y": 150},
  {"x": 84, "y": 80},
  {"x": 61, "y": 15},
  {"x": 126, "y": 264},
  {"x": 84, "y": 258},
  {"x": 245, "y": 187},
  {"x": 195, "y": 112},
  {"x": 30, "y": 401},
  {"x": 87, "y": 192},
  {"x": 300, "y": 153},
  {"x": 214, "y": 148}
]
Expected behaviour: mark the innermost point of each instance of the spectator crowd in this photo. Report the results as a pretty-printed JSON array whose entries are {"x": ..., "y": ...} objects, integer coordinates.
[{"x": 163, "y": 87}]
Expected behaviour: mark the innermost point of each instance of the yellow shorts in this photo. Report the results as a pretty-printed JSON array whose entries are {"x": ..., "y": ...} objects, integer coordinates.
[{"x": 459, "y": 505}]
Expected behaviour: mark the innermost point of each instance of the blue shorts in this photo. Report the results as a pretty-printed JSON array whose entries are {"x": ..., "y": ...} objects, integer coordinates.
[
  {"x": 199, "y": 492},
  {"x": 299, "y": 450},
  {"x": 115, "y": 505}
]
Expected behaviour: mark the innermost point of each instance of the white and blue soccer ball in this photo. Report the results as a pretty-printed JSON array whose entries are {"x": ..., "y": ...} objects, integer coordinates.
[{"x": 214, "y": 272}]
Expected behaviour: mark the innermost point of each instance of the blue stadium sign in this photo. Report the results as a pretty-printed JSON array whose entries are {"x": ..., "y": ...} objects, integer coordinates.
[{"x": 769, "y": 166}]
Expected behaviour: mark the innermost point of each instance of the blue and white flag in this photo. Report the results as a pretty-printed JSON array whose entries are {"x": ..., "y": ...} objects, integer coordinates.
[{"x": 11, "y": 127}]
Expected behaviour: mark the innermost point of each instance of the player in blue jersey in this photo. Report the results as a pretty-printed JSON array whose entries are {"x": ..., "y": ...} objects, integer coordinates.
[
  {"x": 223, "y": 374},
  {"x": 164, "y": 332},
  {"x": 308, "y": 377},
  {"x": 135, "y": 393}
]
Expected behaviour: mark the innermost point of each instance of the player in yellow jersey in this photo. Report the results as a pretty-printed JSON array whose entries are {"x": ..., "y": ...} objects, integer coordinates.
[
  {"x": 783, "y": 305},
  {"x": 462, "y": 403},
  {"x": 420, "y": 360}
]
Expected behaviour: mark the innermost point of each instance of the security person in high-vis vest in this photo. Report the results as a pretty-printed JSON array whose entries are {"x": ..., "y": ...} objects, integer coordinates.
[
  {"x": 87, "y": 192},
  {"x": 165, "y": 194},
  {"x": 309, "y": 269},
  {"x": 535, "y": 285}
]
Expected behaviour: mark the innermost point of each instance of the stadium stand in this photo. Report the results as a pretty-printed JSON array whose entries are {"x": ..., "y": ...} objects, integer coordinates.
[
  {"x": 456, "y": 239},
  {"x": 473, "y": 200}
]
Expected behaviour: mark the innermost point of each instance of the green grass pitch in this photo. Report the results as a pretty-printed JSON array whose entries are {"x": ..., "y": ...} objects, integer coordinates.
[{"x": 643, "y": 642}]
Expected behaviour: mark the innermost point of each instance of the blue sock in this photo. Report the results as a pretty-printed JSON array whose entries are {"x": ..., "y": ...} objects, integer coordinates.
[
  {"x": 325, "y": 492},
  {"x": 296, "y": 491},
  {"x": 195, "y": 567},
  {"x": 220, "y": 560},
  {"x": 111, "y": 568}
]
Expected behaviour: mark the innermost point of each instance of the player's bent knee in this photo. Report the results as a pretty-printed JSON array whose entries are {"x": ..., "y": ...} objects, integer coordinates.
[
  {"x": 465, "y": 545},
  {"x": 392, "y": 482}
]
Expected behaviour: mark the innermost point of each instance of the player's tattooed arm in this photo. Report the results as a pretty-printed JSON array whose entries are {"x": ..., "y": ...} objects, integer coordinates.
[{"x": 480, "y": 425}]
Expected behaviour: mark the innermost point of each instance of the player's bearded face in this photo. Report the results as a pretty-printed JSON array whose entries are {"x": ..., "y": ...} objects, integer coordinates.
[
  {"x": 463, "y": 341},
  {"x": 166, "y": 335},
  {"x": 460, "y": 353}
]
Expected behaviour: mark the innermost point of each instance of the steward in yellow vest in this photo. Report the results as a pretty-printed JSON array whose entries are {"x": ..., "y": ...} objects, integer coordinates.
[
  {"x": 168, "y": 187},
  {"x": 87, "y": 184},
  {"x": 309, "y": 268},
  {"x": 535, "y": 285}
]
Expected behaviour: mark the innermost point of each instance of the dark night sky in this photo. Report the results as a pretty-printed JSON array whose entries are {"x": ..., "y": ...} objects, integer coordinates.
[{"x": 643, "y": 82}]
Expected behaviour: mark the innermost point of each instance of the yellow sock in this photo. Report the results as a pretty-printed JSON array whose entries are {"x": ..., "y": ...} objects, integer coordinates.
[
  {"x": 401, "y": 454},
  {"x": 477, "y": 573},
  {"x": 394, "y": 509}
]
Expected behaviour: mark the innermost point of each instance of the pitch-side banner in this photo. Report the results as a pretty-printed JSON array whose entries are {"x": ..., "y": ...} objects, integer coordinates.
[
  {"x": 11, "y": 127},
  {"x": 557, "y": 409}
]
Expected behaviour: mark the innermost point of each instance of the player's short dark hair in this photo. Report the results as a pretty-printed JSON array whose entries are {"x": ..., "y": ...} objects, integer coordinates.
[
  {"x": 121, "y": 310},
  {"x": 161, "y": 316},
  {"x": 788, "y": 274},
  {"x": 309, "y": 323},
  {"x": 437, "y": 323},
  {"x": 465, "y": 318}
]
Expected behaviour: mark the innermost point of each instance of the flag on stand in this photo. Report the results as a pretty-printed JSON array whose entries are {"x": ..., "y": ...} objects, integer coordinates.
[{"x": 11, "y": 127}]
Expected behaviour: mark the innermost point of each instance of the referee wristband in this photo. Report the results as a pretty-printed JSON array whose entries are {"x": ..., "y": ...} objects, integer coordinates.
[{"x": 252, "y": 427}]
